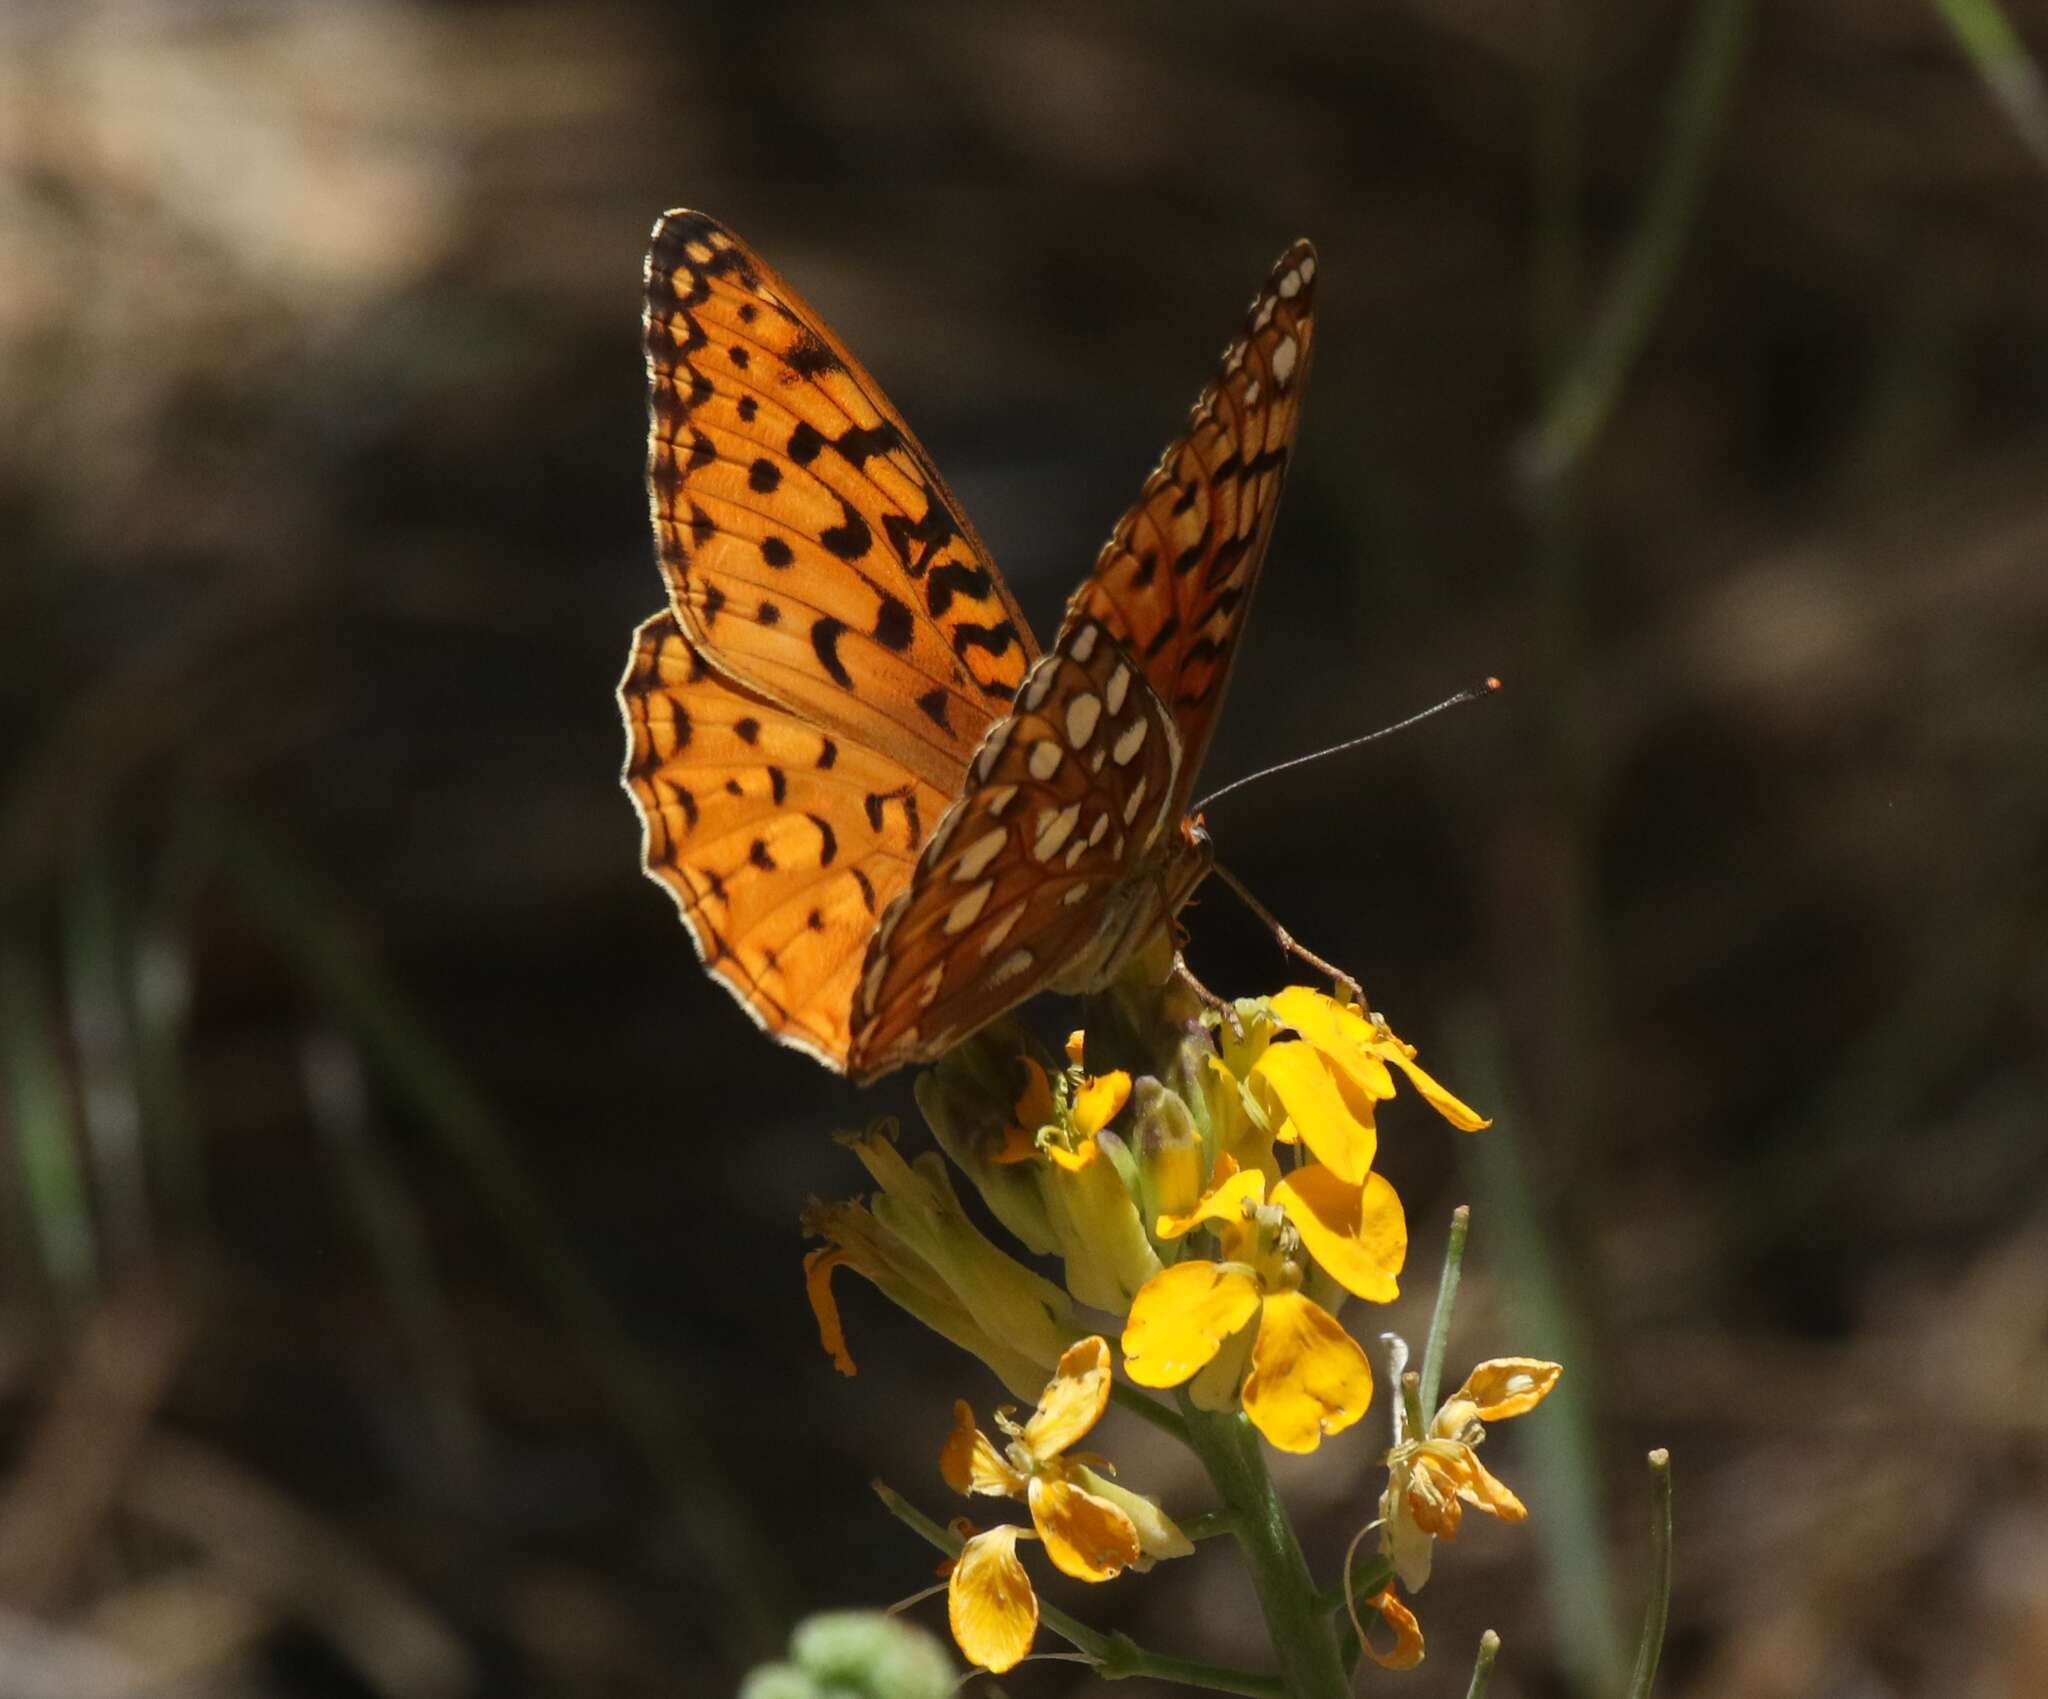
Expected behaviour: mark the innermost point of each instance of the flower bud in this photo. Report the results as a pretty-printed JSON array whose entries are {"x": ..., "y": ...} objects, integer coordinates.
[{"x": 1170, "y": 1160}]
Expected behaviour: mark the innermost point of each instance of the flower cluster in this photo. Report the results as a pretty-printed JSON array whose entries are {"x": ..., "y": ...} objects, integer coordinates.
[{"x": 1214, "y": 1193}]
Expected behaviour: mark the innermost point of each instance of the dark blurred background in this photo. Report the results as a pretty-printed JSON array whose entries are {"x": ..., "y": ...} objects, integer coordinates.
[{"x": 401, "y": 1285}]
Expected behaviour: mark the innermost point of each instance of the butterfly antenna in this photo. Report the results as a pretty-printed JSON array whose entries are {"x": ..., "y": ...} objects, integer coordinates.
[{"x": 1473, "y": 693}]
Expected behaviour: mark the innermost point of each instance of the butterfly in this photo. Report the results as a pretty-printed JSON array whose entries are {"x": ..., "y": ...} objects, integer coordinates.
[{"x": 885, "y": 817}]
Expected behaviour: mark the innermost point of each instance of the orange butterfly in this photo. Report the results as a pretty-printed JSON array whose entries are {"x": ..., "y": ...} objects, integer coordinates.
[{"x": 884, "y": 817}]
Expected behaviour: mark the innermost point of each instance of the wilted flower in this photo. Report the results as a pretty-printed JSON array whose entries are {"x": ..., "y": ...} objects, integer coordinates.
[{"x": 1432, "y": 1476}]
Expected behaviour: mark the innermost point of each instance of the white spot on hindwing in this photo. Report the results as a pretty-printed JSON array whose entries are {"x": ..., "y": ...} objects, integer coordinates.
[
  {"x": 928, "y": 987},
  {"x": 1135, "y": 800},
  {"x": 975, "y": 858},
  {"x": 1044, "y": 760},
  {"x": 964, "y": 913},
  {"x": 1308, "y": 268},
  {"x": 1083, "y": 712},
  {"x": 1035, "y": 691},
  {"x": 1290, "y": 285},
  {"x": 1018, "y": 961},
  {"x": 1075, "y": 894},
  {"x": 1131, "y": 740},
  {"x": 997, "y": 800},
  {"x": 1054, "y": 830},
  {"x": 1083, "y": 645},
  {"x": 992, "y": 939},
  {"x": 1285, "y": 352},
  {"x": 1101, "y": 826},
  {"x": 1113, "y": 692}
]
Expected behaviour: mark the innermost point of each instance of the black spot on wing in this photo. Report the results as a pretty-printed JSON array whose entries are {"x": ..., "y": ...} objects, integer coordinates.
[
  {"x": 955, "y": 580},
  {"x": 805, "y": 444},
  {"x": 809, "y": 357},
  {"x": 776, "y": 552},
  {"x": 867, "y": 888},
  {"x": 764, "y": 476},
  {"x": 1163, "y": 636},
  {"x": 893, "y": 623},
  {"x": 825, "y": 634},
  {"x": 933, "y": 702},
  {"x": 828, "y": 840},
  {"x": 851, "y": 538}
]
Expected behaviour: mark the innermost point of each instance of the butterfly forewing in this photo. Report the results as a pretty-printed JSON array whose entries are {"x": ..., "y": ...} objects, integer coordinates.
[
  {"x": 1176, "y": 578},
  {"x": 812, "y": 551},
  {"x": 781, "y": 843},
  {"x": 1068, "y": 806}
]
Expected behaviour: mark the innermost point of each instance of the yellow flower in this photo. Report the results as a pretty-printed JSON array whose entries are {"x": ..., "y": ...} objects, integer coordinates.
[
  {"x": 1322, "y": 1092},
  {"x": 1092, "y": 1528},
  {"x": 1062, "y": 1120},
  {"x": 1087, "y": 1180},
  {"x": 1208, "y": 1322},
  {"x": 1433, "y": 1476}
]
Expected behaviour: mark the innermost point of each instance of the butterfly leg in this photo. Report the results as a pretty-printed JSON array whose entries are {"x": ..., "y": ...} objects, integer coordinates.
[
  {"x": 1287, "y": 941},
  {"x": 1225, "y": 1011}
]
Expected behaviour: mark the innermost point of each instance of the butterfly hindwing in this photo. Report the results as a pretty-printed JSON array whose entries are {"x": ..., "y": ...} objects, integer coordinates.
[
  {"x": 1068, "y": 806},
  {"x": 1175, "y": 580},
  {"x": 781, "y": 843},
  {"x": 812, "y": 550}
]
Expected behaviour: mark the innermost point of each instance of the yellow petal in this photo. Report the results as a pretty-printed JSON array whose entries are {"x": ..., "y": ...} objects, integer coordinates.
[
  {"x": 1350, "y": 1041},
  {"x": 1073, "y": 1161},
  {"x": 1085, "y": 1536},
  {"x": 1230, "y": 1189},
  {"x": 1182, "y": 1316},
  {"x": 1077, "y": 1045},
  {"x": 818, "y": 1267},
  {"x": 1358, "y": 1233},
  {"x": 1406, "y": 1652},
  {"x": 1097, "y": 1101},
  {"x": 1484, "y": 1491},
  {"x": 1034, "y": 1103},
  {"x": 989, "y": 1601},
  {"x": 1073, "y": 1399},
  {"x": 1507, "y": 1386},
  {"x": 1158, "y": 1534},
  {"x": 1309, "y": 1377},
  {"x": 971, "y": 1463},
  {"x": 1316, "y": 1111},
  {"x": 1454, "y": 1110}
]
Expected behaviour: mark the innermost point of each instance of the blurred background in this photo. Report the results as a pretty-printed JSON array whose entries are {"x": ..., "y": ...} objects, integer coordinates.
[{"x": 401, "y": 1270}]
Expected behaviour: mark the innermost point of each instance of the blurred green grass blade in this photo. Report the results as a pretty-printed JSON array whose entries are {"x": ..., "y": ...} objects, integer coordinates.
[
  {"x": 1565, "y": 1505},
  {"x": 1584, "y": 398},
  {"x": 96, "y": 986},
  {"x": 312, "y": 930},
  {"x": 46, "y": 1137},
  {"x": 2013, "y": 79}
]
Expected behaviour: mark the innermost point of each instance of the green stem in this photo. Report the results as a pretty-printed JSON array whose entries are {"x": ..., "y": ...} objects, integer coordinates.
[
  {"x": 1579, "y": 407},
  {"x": 1228, "y": 1446},
  {"x": 1167, "y": 1421},
  {"x": 1446, "y": 1301},
  {"x": 2014, "y": 80},
  {"x": 1114, "y": 1656},
  {"x": 1657, "y": 1609}
]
